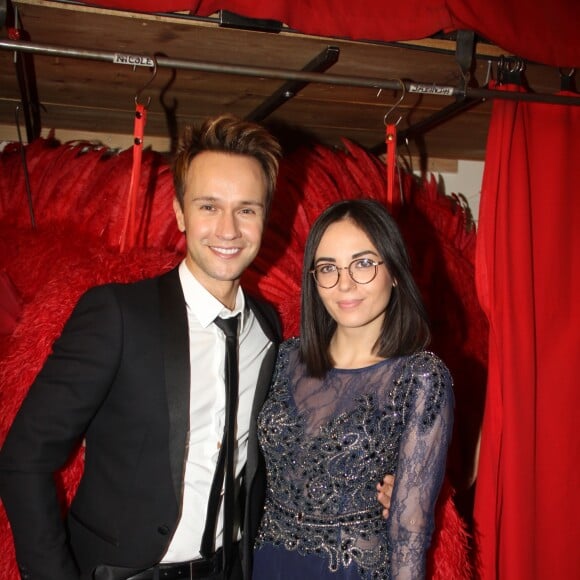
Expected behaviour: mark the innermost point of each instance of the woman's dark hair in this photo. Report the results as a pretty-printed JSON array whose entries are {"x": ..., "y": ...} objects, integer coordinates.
[{"x": 405, "y": 328}]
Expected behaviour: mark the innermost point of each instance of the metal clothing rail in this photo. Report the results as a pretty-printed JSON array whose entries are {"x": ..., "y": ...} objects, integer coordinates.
[{"x": 285, "y": 74}]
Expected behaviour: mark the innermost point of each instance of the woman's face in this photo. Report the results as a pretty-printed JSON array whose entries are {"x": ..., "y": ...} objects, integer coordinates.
[{"x": 352, "y": 304}]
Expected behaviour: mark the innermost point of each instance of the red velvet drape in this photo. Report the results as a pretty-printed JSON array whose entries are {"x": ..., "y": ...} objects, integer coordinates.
[
  {"x": 528, "y": 279},
  {"x": 537, "y": 30}
]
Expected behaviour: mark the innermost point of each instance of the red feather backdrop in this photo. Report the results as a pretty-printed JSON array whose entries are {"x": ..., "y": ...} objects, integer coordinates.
[{"x": 79, "y": 194}]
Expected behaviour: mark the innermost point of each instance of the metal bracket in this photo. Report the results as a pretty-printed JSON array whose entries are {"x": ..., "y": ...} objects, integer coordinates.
[
  {"x": 229, "y": 19},
  {"x": 26, "y": 77},
  {"x": 465, "y": 57},
  {"x": 3, "y": 12},
  {"x": 290, "y": 89},
  {"x": 567, "y": 80},
  {"x": 465, "y": 54}
]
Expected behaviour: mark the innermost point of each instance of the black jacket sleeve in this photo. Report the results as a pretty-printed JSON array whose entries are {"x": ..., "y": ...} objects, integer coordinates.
[{"x": 50, "y": 426}]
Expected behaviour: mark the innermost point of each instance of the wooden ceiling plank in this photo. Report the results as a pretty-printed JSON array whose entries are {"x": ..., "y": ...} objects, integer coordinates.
[{"x": 98, "y": 96}]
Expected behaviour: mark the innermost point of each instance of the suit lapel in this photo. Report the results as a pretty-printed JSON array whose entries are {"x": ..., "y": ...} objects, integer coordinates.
[
  {"x": 271, "y": 327},
  {"x": 254, "y": 490},
  {"x": 267, "y": 318},
  {"x": 175, "y": 340}
]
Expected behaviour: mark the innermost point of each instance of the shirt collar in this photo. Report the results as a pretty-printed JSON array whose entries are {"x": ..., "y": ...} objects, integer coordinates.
[{"x": 203, "y": 305}]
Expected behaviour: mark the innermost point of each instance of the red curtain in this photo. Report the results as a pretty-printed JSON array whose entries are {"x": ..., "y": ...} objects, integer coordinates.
[
  {"x": 527, "y": 506},
  {"x": 537, "y": 30}
]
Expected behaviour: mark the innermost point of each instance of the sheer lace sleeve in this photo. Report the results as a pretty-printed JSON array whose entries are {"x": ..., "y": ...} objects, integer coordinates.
[{"x": 428, "y": 421}]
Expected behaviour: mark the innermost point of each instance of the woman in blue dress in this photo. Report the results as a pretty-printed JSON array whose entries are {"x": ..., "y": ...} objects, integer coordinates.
[{"x": 355, "y": 397}]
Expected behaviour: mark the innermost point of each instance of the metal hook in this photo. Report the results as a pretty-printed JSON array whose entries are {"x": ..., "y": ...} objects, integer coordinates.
[
  {"x": 518, "y": 65},
  {"x": 567, "y": 80},
  {"x": 510, "y": 70},
  {"x": 392, "y": 109},
  {"x": 488, "y": 73},
  {"x": 570, "y": 72},
  {"x": 151, "y": 79}
]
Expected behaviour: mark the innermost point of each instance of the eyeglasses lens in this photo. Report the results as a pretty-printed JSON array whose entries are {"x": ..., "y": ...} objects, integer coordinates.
[{"x": 362, "y": 271}]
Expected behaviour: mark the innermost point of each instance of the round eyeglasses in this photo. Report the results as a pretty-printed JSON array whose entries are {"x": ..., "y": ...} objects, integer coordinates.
[{"x": 361, "y": 271}]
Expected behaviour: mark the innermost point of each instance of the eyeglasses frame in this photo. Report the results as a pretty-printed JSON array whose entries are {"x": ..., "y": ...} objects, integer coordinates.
[{"x": 347, "y": 268}]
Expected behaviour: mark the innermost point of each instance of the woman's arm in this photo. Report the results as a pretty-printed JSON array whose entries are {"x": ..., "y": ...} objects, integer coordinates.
[{"x": 428, "y": 422}]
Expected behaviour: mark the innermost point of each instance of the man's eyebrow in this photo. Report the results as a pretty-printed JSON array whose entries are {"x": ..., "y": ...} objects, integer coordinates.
[
  {"x": 212, "y": 199},
  {"x": 204, "y": 198}
]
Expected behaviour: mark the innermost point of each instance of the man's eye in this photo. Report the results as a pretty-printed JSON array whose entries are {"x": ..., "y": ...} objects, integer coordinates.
[
  {"x": 248, "y": 211},
  {"x": 206, "y": 207}
]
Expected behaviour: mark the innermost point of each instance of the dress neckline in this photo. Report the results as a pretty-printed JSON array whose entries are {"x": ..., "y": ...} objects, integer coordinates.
[{"x": 339, "y": 370}]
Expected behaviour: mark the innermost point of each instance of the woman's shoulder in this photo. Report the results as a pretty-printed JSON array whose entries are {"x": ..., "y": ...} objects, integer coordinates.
[
  {"x": 427, "y": 363},
  {"x": 289, "y": 349},
  {"x": 292, "y": 343},
  {"x": 288, "y": 354},
  {"x": 428, "y": 378}
]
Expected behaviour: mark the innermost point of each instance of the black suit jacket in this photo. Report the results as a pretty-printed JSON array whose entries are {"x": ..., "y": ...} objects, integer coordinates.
[{"x": 118, "y": 377}]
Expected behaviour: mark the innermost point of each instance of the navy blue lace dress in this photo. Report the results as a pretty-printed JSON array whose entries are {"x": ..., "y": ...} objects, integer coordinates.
[{"x": 327, "y": 443}]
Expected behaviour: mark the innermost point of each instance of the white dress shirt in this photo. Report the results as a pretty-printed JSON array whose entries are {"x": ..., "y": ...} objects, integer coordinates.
[{"x": 207, "y": 406}]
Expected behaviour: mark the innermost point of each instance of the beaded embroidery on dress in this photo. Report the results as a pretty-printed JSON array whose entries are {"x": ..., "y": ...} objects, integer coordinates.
[{"x": 327, "y": 442}]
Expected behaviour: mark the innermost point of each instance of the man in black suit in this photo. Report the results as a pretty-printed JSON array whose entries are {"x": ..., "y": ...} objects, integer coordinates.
[{"x": 138, "y": 373}]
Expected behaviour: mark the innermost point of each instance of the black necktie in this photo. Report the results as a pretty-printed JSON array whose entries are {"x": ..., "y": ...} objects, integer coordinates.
[{"x": 229, "y": 326}]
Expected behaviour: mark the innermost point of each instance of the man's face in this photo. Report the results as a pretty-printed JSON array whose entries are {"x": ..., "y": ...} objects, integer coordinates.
[{"x": 223, "y": 218}]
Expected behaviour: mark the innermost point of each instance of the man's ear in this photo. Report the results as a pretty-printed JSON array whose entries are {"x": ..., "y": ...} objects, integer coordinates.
[{"x": 179, "y": 215}]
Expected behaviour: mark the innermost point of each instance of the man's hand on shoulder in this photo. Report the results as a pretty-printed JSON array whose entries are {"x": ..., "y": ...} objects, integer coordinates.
[{"x": 384, "y": 493}]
